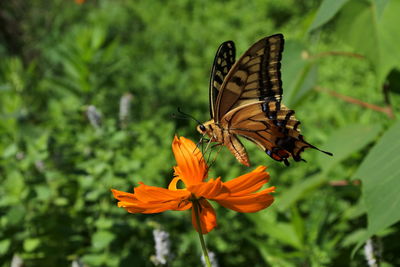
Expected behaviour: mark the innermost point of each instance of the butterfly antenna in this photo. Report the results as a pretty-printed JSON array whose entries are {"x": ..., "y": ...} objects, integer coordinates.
[
  {"x": 185, "y": 115},
  {"x": 175, "y": 116}
]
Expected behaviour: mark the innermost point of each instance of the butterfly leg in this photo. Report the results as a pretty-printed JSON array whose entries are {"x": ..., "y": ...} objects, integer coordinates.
[
  {"x": 203, "y": 151},
  {"x": 215, "y": 157}
]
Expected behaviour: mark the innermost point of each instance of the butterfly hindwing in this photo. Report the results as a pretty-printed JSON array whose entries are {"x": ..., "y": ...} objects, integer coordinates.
[
  {"x": 223, "y": 62},
  {"x": 255, "y": 76},
  {"x": 278, "y": 142}
]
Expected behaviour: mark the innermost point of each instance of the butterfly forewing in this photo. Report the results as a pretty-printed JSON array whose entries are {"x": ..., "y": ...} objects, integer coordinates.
[
  {"x": 223, "y": 62},
  {"x": 255, "y": 76}
]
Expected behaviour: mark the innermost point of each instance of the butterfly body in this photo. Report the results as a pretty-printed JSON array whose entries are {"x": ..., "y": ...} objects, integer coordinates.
[
  {"x": 224, "y": 136},
  {"x": 245, "y": 100}
]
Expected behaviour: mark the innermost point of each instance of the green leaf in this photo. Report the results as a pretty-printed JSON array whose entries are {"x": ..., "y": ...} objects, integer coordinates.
[
  {"x": 299, "y": 190},
  {"x": 98, "y": 37},
  {"x": 43, "y": 192},
  {"x": 4, "y": 245},
  {"x": 10, "y": 151},
  {"x": 15, "y": 215},
  {"x": 61, "y": 201},
  {"x": 267, "y": 224},
  {"x": 380, "y": 175},
  {"x": 299, "y": 74},
  {"x": 354, "y": 237},
  {"x": 380, "y": 6},
  {"x": 370, "y": 28},
  {"x": 94, "y": 259},
  {"x": 345, "y": 142},
  {"x": 102, "y": 239},
  {"x": 326, "y": 11},
  {"x": 31, "y": 244},
  {"x": 273, "y": 256},
  {"x": 104, "y": 223}
]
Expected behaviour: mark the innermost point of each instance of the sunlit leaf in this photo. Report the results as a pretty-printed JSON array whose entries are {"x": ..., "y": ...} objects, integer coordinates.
[
  {"x": 268, "y": 225},
  {"x": 370, "y": 28},
  {"x": 273, "y": 256},
  {"x": 15, "y": 215},
  {"x": 354, "y": 238},
  {"x": 31, "y": 244},
  {"x": 61, "y": 201},
  {"x": 4, "y": 245},
  {"x": 380, "y": 176},
  {"x": 10, "y": 151},
  {"x": 299, "y": 74},
  {"x": 380, "y": 6},
  {"x": 102, "y": 239},
  {"x": 299, "y": 190},
  {"x": 327, "y": 10},
  {"x": 104, "y": 223},
  {"x": 94, "y": 259},
  {"x": 345, "y": 142},
  {"x": 43, "y": 192}
]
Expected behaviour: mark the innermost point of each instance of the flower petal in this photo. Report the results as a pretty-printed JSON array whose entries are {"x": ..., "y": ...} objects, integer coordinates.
[
  {"x": 150, "y": 199},
  {"x": 123, "y": 196},
  {"x": 128, "y": 199},
  {"x": 210, "y": 190},
  {"x": 249, "y": 203},
  {"x": 148, "y": 208},
  {"x": 172, "y": 185},
  {"x": 146, "y": 193},
  {"x": 208, "y": 218},
  {"x": 191, "y": 168},
  {"x": 249, "y": 182}
]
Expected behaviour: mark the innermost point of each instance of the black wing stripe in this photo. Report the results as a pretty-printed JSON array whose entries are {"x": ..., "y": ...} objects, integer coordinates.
[
  {"x": 271, "y": 83},
  {"x": 223, "y": 62},
  {"x": 259, "y": 67}
]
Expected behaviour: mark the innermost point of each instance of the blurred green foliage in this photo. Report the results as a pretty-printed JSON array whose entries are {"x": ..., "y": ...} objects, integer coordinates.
[{"x": 61, "y": 61}]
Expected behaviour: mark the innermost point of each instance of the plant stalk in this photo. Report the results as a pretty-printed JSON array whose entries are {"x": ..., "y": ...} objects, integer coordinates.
[{"x": 196, "y": 208}]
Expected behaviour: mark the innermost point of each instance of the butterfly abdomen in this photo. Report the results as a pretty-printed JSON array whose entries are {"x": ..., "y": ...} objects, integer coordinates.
[{"x": 237, "y": 149}]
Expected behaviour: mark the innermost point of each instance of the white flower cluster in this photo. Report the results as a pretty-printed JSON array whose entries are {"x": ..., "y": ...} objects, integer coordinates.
[
  {"x": 162, "y": 246},
  {"x": 94, "y": 116},
  {"x": 124, "y": 109}
]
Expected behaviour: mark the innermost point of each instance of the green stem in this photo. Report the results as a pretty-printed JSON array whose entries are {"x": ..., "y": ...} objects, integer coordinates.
[{"x": 196, "y": 208}]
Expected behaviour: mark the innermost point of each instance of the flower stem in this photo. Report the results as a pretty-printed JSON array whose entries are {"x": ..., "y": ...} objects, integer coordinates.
[{"x": 196, "y": 208}]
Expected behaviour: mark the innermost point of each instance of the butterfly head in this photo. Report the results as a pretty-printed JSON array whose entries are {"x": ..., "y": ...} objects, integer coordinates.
[
  {"x": 207, "y": 128},
  {"x": 201, "y": 129},
  {"x": 204, "y": 128}
]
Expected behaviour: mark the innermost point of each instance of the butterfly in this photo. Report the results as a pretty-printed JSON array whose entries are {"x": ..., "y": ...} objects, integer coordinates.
[{"x": 245, "y": 100}]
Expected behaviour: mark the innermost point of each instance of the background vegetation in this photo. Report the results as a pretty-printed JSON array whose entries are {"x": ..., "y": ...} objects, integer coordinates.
[{"x": 66, "y": 140}]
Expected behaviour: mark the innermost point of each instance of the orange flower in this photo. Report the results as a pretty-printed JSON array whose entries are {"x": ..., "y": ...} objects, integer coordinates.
[
  {"x": 79, "y": 2},
  {"x": 238, "y": 194}
]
